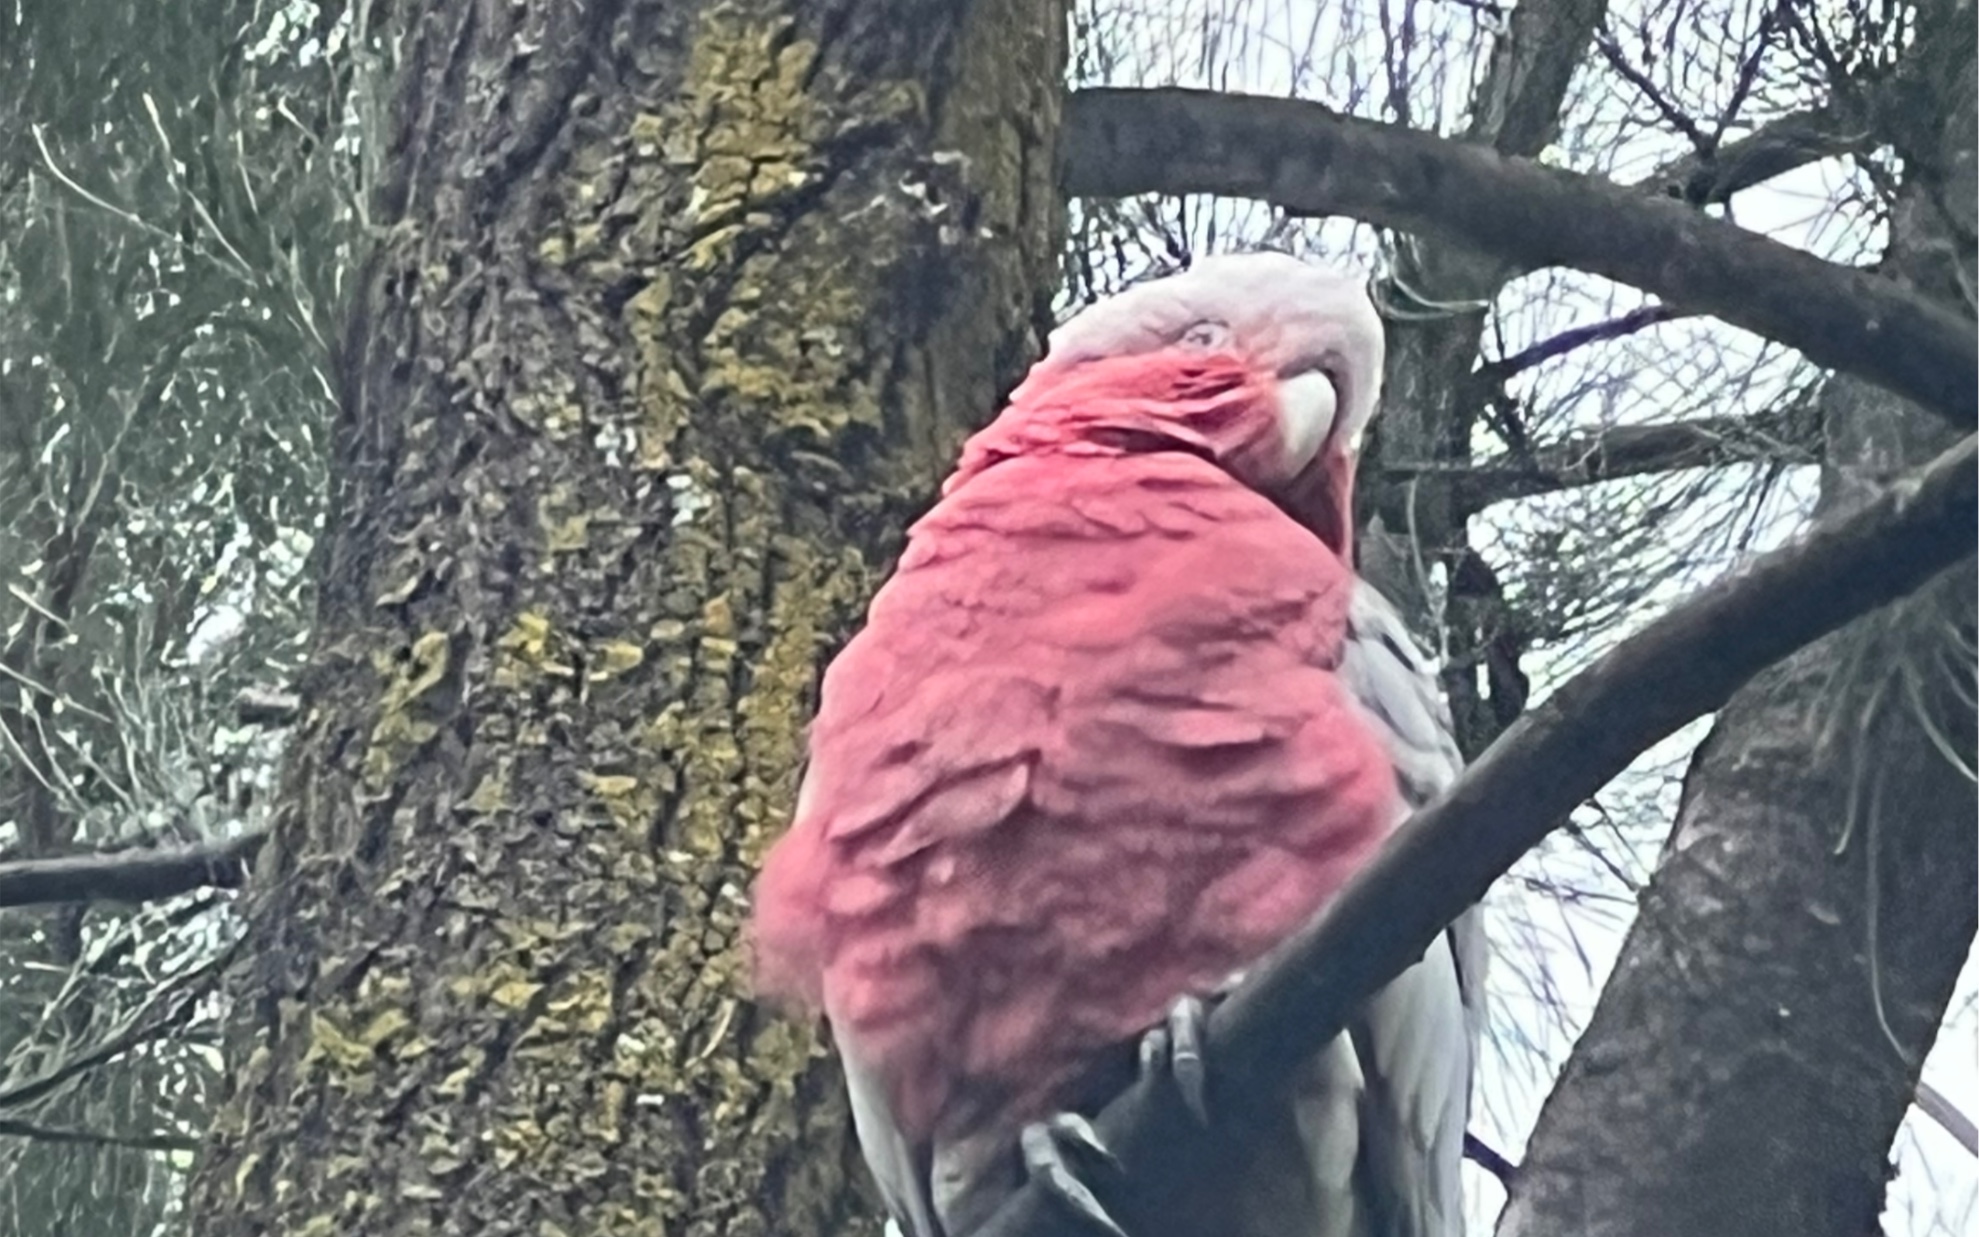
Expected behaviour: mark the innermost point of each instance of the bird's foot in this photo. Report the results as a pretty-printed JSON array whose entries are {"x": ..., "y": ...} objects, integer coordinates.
[
  {"x": 1176, "y": 1048},
  {"x": 1049, "y": 1148}
]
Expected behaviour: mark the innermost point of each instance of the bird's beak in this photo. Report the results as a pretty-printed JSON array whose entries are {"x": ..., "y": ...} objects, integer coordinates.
[{"x": 1321, "y": 498}]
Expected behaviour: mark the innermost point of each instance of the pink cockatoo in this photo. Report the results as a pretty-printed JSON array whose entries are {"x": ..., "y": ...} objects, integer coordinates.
[{"x": 1122, "y": 720}]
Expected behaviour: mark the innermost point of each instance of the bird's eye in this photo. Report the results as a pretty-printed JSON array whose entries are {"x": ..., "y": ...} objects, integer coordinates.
[{"x": 1207, "y": 335}]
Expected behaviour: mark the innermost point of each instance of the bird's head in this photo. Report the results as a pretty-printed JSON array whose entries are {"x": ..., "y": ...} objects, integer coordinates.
[{"x": 1260, "y": 362}]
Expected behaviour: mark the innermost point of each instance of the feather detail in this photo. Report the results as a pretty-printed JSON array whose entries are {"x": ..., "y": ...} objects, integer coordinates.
[
  {"x": 1089, "y": 755},
  {"x": 1122, "y": 719}
]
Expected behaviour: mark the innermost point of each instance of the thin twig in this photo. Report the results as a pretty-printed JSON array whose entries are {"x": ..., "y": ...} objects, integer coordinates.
[
  {"x": 1678, "y": 119},
  {"x": 141, "y": 1027},
  {"x": 1948, "y": 1115},
  {"x": 1578, "y": 337}
]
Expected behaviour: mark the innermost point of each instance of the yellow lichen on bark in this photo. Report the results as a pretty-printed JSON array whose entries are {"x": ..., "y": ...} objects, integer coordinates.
[{"x": 638, "y": 414}]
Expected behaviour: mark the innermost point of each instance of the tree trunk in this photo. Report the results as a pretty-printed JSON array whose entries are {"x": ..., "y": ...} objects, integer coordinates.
[
  {"x": 677, "y": 311},
  {"x": 1431, "y": 401},
  {"x": 1748, "y": 1064}
]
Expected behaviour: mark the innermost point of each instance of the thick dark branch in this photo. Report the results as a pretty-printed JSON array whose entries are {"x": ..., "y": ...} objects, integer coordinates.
[
  {"x": 128, "y": 876},
  {"x": 1490, "y": 1159},
  {"x": 1311, "y": 160},
  {"x": 1681, "y": 666}
]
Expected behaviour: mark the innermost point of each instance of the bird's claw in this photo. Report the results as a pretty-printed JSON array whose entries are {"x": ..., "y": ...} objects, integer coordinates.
[
  {"x": 1177, "y": 1047},
  {"x": 1045, "y": 1145}
]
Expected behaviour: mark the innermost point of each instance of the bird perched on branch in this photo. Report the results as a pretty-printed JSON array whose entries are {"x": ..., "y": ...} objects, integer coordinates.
[{"x": 1122, "y": 720}]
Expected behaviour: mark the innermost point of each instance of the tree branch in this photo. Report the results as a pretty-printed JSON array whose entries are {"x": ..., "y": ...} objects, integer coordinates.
[
  {"x": 1949, "y": 1116},
  {"x": 1309, "y": 159},
  {"x": 171, "y": 1004},
  {"x": 129, "y": 876},
  {"x": 1686, "y": 663},
  {"x": 266, "y": 706},
  {"x": 1576, "y": 337},
  {"x": 1677, "y": 118},
  {"x": 1770, "y": 151},
  {"x": 1789, "y": 435},
  {"x": 10, "y": 1128}
]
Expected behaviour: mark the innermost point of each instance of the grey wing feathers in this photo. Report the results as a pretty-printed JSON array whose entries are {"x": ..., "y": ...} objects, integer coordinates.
[
  {"x": 1396, "y": 683},
  {"x": 899, "y": 1167},
  {"x": 1392, "y": 680},
  {"x": 931, "y": 1189},
  {"x": 1416, "y": 1040}
]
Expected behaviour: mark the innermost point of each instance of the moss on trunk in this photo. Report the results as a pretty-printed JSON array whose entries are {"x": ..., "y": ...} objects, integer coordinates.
[{"x": 678, "y": 310}]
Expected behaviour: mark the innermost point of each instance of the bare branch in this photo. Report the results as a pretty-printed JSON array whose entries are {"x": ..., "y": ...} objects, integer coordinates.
[
  {"x": 1309, "y": 159},
  {"x": 1578, "y": 337},
  {"x": 1678, "y": 119},
  {"x": 128, "y": 876},
  {"x": 1790, "y": 435},
  {"x": 1948, "y": 1115},
  {"x": 1490, "y": 1159},
  {"x": 144, "y": 1142},
  {"x": 1748, "y": 75},
  {"x": 266, "y": 706},
  {"x": 1770, "y": 151},
  {"x": 1557, "y": 754},
  {"x": 163, "y": 1012}
]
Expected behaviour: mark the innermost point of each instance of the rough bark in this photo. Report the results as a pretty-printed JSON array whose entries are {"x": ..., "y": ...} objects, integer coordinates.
[
  {"x": 1748, "y": 1064},
  {"x": 678, "y": 308}
]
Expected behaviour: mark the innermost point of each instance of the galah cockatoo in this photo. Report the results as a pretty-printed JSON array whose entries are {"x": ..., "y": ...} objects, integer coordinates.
[{"x": 1122, "y": 720}]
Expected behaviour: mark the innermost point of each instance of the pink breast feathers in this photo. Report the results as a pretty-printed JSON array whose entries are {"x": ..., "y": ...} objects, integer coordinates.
[{"x": 1089, "y": 753}]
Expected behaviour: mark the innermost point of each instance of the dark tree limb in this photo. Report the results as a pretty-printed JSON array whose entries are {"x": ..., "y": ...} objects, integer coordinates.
[
  {"x": 266, "y": 706},
  {"x": 1685, "y": 664},
  {"x": 1759, "y": 1041},
  {"x": 1308, "y": 159},
  {"x": 129, "y": 876},
  {"x": 1490, "y": 1159}
]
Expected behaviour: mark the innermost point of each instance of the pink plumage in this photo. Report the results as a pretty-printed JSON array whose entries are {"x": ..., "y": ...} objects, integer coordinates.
[
  {"x": 1089, "y": 753},
  {"x": 1122, "y": 720}
]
